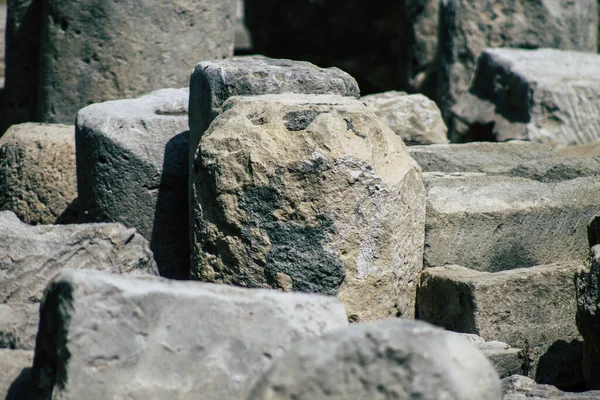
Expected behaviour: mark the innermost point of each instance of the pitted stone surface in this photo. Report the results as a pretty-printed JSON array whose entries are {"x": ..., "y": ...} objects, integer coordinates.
[
  {"x": 132, "y": 168},
  {"x": 311, "y": 193},
  {"x": 106, "y": 336}
]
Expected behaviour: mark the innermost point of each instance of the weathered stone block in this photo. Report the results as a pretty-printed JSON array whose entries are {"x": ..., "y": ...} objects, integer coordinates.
[
  {"x": 519, "y": 387},
  {"x": 468, "y": 27},
  {"x": 531, "y": 308},
  {"x": 31, "y": 255},
  {"x": 506, "y": 360},
  {"x": 309, "y": 193},
  {"x": 384, "y": 359},
  {"x": 97, "y": 51},
  {"x": 107, "y": 336},
  {"x": 415, "y": 118},
  {"x": 549, "y": 96},
  {"x": 132, "y": 168},
  {"x": 494, "y": 223},
  {"x": 15, "y": 367},
  {"x": 37, "y": 172}
]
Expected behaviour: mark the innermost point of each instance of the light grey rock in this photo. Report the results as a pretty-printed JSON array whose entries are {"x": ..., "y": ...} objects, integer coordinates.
[
  {"x": 383, "y": 359},
  {"x": 548, "y": 96},
  {"x": 23, "y": 37},
  {"x": 106, "y": 336},
  {"x": 415, "y": 118},
  {"x": 31, "y": 255},
  {"x": 519, "y": 387},
  {"x": 132, "y": 168},
  {"x": 309, "y": 193},
  {"x": 37, "y": 172},
  {"x": 213, "y": 82},
  {"x": 15, "y": 367},
  {"x": 506, "y": 360},
  {"x": 587, "y": 284},
  {"x": 583, "y": 150},
  {"x": 99, "y": 51},
  {"x": 494, "y": 223},
  {"x": 468, "y": 27},
  {"x": 529, "y": 308}
]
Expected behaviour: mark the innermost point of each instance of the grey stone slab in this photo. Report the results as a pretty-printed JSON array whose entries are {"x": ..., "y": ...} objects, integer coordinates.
[
  {"x": 309, "y": 193},
  {"x": 506, "y": 360},
  {"x": 529, "y": 308},
  {"x": 493, "y": 223},
  {"x": 97, "y": 51},
  {"x": 383, "y": 359},
  {"x": 519, "y": 387},
  {"x": 547, "y": 95},
  {"x": 132, "y": 168},
  {"x": 106, "y": 336}
]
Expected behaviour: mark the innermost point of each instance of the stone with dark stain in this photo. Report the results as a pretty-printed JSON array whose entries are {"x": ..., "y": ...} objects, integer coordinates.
[
  {"x": 300, "y": 120},
  {"x": 350, "y": 127}
]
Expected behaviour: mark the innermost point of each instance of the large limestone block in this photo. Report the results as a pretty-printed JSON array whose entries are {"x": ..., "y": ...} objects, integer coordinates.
[
  {"x": 309, "y": 193},
  {"x": 519, "y": 387},
  {"x": 15, "y": 367},
  {"x": 213, "y": 82},
  {"x": 588, "y": 316},
  {"x": 107, "y": 336},
  {"x": 37, "y": 172},
  {"x": 415, "y": 118},
  {"x": 97, "y": 51},
  {"x": 531, "y": 308},
  {"x": 396, "y": 359},
  {"x": 468, "y": 27},
  {"x": 549, "y": 96},
  {"x": 495, "y": 223},
  {"x": 132, "y": 168},
  {"x": 31, "y": 255}
]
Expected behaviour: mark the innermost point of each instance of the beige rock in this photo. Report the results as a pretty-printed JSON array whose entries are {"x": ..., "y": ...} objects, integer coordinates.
[
  {"x": 314, "y": 189},
  {"x": 15, "y": 369},
  {"x": 415, "y": 118},
  {"x": 37, "y": 171}
]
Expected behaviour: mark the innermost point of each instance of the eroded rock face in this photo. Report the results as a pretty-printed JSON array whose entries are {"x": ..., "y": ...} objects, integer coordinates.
[
  {"x": 37, "y": 172},
  {"x": 309, "y": 193},
  {"x": 132, "y": 168},
  {"x": 105, "y": 336},
  {"x": 519, "y": 387},
  {"x": 468, "y": 27},
  {"x": 547, "y": 95},
  {"x": 31, "y": 255},
  {"x": 392, "y": 358},
  {"x": 94, "y": 52}
]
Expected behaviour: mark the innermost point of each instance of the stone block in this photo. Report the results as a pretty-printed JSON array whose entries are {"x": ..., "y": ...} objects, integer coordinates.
[
  {"x": 15, "y": 367},
  {"x": 494, "y": 223},
  {"x": 37, "y": 172},
  {"x": 309, "y": 193},
  {"x": 548, "y": 96},
  {"x": 519, "y": 387},
  {"x": 132, "y": 168},
  {"x": 99, "y": 51},
  {"x": 530, "y": 308},
  {"x": 415, "y": 118},
  {"x": 396, "y": 359},
  {"x": 31, "y": 255},
  {"x": 506, "y": 360},
  {"x": 468, "y": 27},
  {"x": 106, "y": 336}
]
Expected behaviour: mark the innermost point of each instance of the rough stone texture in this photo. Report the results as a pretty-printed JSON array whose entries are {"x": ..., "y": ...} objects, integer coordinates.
[
  {"x": 309, "y": 193},
  {"x": 37, "y": 171},
  {"x": 506, "y": 360},
  {"x": 132, "y": 168},
  {"x": 98, "y": 51},
  {"x": 549, "y": 96},
  {"x": 31, "y": 255},
  {"x": 468, "y": 27},
  {"x": 587, "y": 284},
  {"x": 213, "y": 82},
  {"x": 519, "y": 387},
  {"x": 15, "y": 367},
  {"x": 584, "y": 150},
  {"x": 387, "y": 359},
  {"x": 106, "y": 336},
  {"x": 530, "y": 308},
  {"x": 494, "y": 223},
  {"x": 415, "y": 118},
  {"x": 23, "y": 37}
]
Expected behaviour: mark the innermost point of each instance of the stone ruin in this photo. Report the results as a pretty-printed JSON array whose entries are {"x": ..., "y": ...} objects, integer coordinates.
[{"x": 196, "y": 201}]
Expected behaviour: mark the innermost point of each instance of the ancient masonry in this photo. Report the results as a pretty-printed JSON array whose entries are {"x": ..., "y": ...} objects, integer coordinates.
[{"x": 197, "y": 202}]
